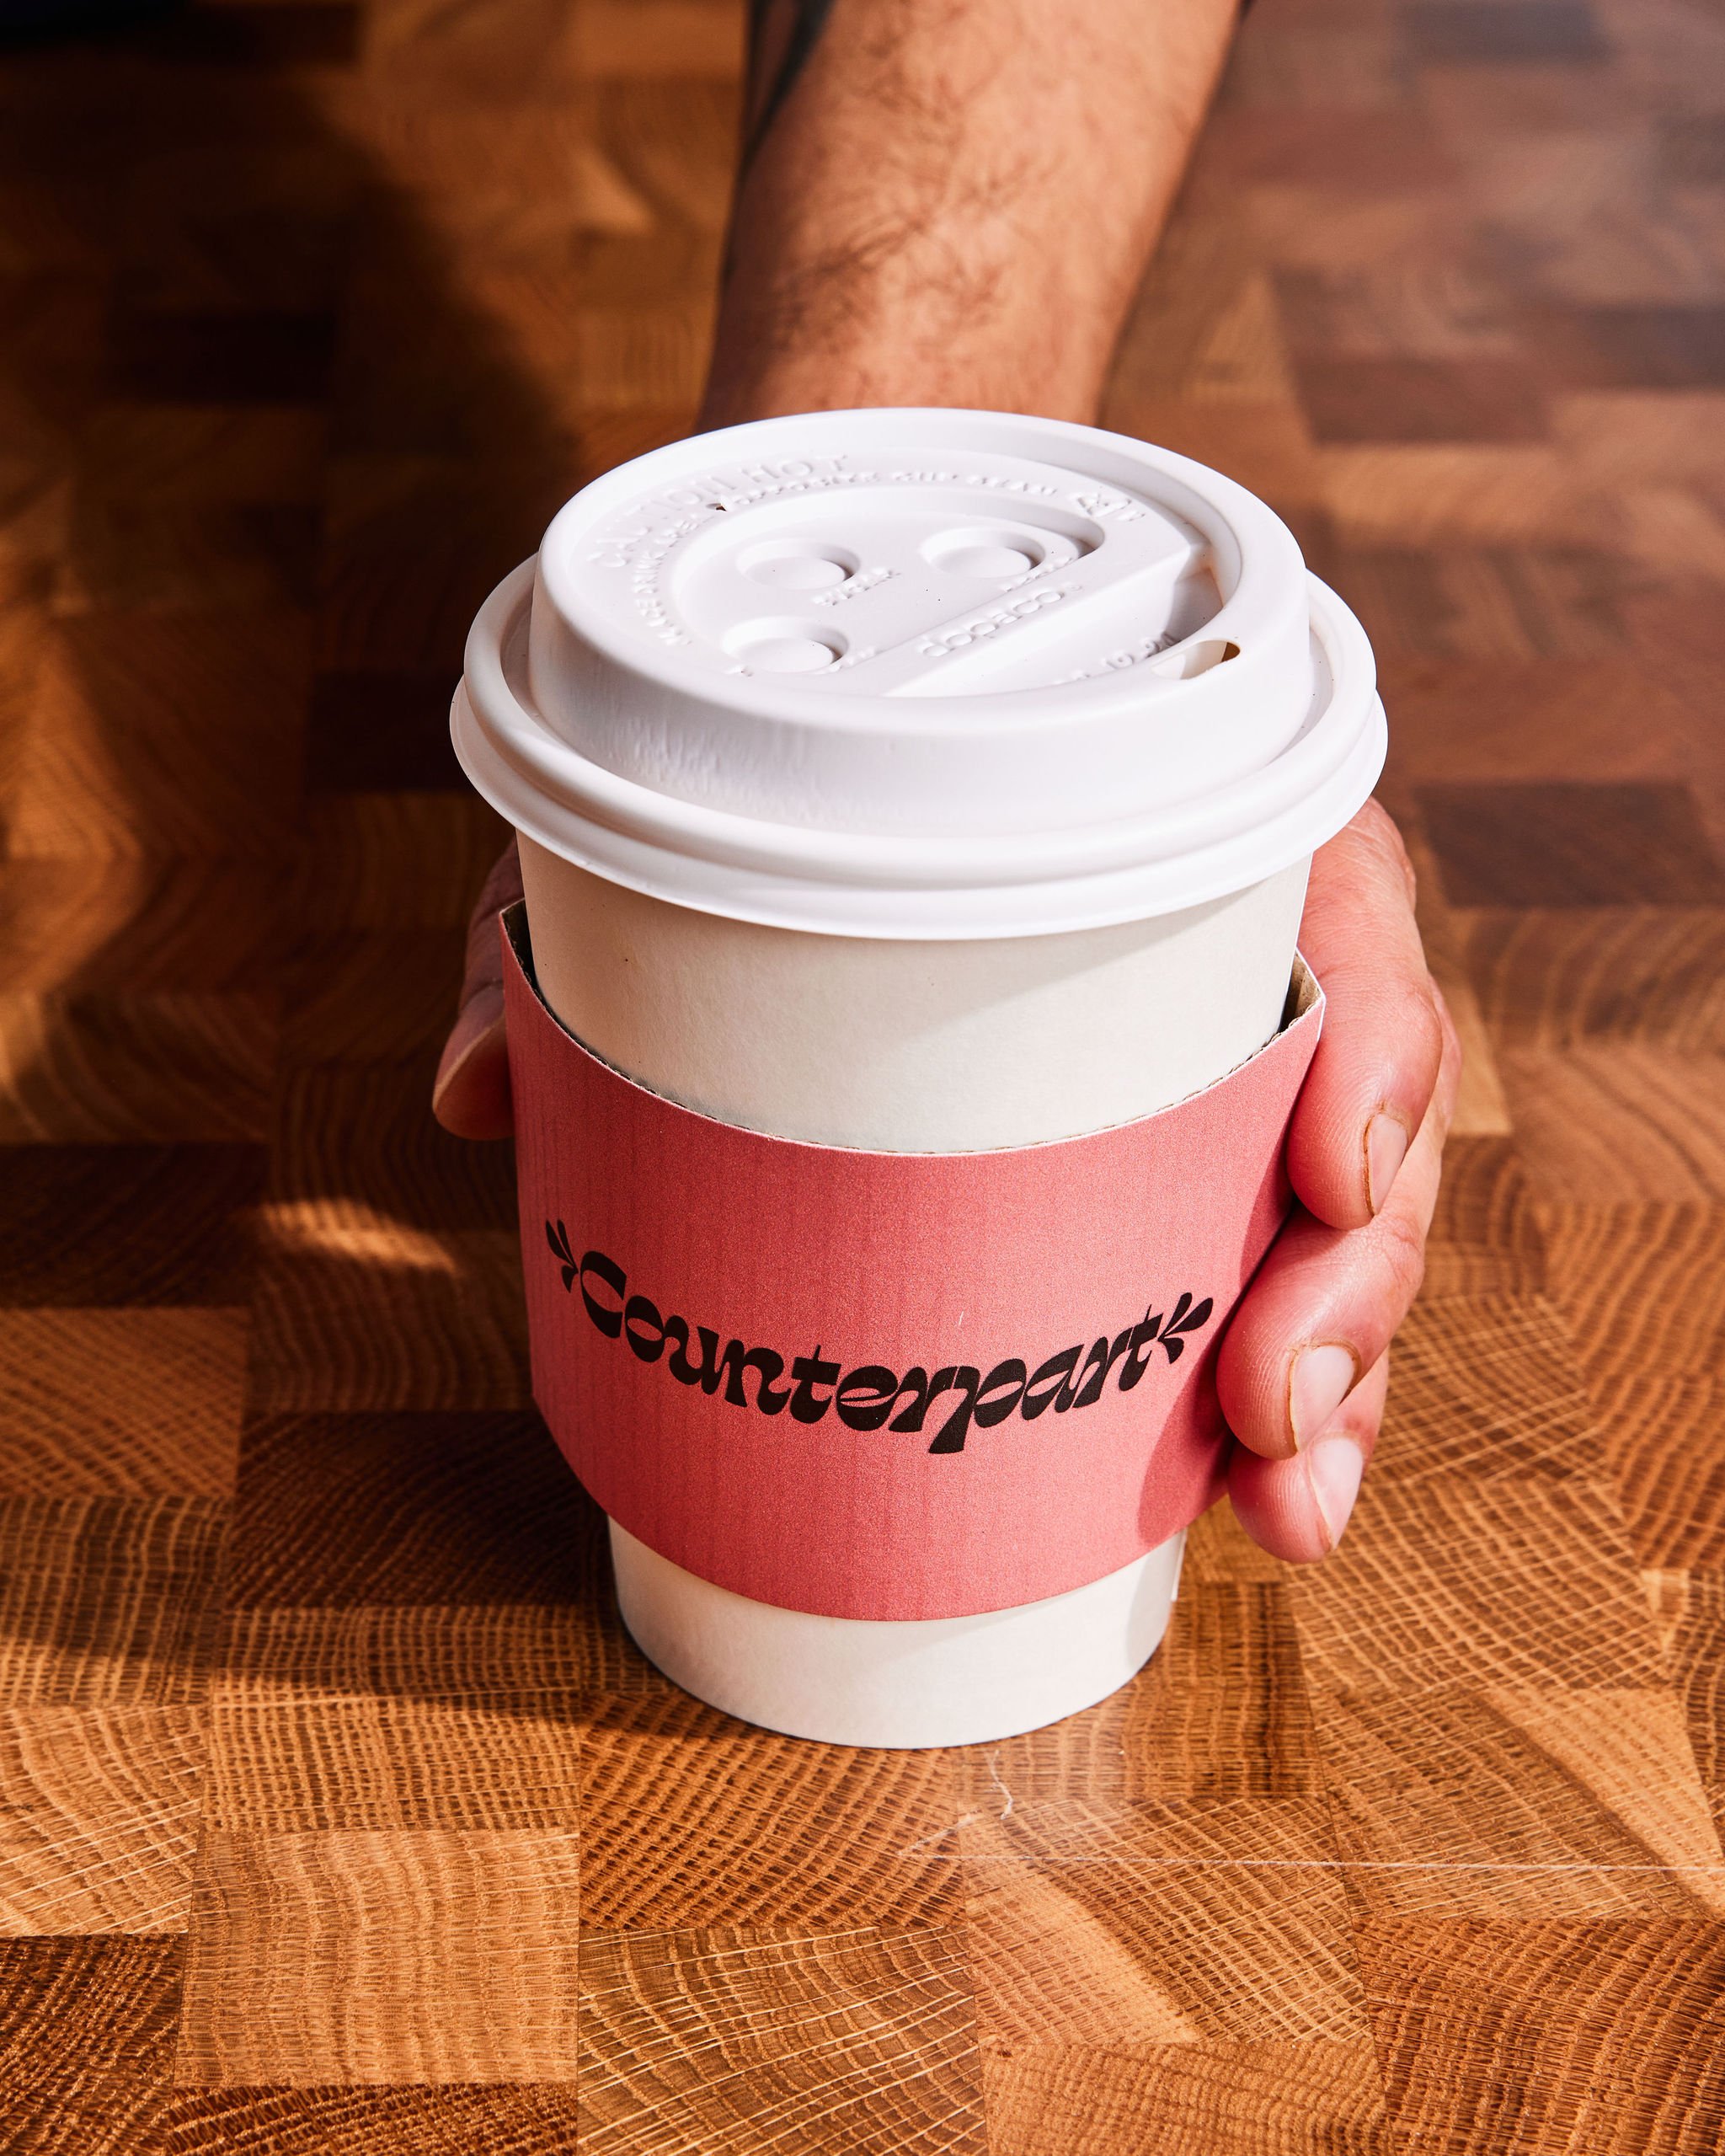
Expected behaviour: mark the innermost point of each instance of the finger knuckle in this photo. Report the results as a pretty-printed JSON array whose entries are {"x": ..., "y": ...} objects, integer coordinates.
[
  {"x": 1402, "y": 1249},
  {"x": 1412, "y": 1028},
  {"x": 1380, "y": 831}
]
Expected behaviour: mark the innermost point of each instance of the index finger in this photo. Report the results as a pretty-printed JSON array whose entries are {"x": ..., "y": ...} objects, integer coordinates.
[{"x": 1376, "y": 1065}]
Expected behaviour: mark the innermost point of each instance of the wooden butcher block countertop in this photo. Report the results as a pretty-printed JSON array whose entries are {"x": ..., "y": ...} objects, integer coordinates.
[{"x": 337, "y": 1815}]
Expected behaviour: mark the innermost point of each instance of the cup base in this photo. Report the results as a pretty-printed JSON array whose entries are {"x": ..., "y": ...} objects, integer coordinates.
[{"x": 901, "y": 1686}]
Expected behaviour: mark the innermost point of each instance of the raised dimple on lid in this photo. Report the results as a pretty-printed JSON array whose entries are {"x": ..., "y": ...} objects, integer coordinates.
[{"x": 950, "y": 578}]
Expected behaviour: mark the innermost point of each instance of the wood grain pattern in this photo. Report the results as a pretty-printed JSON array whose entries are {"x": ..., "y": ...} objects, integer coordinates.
[
  {"x": 121, "y": 1403},
  {"x": 360, "y": 1133},
  {"x": 99, "y": 1814},
  {"x": 1486, "y": 1388},
  {"x": 1486, "y": 1235},
  {"x": 1614, "y": 1122},
  {"x": 87, "y": 2034},
  {"x": 426, "y": 1956},
  {"x": 416, "y": 1508},
  {"x": 1520, "y": 1801},
  {"x": 1094, "y": 1923},
  {"x": 141, "y": 926},
  {"x": 1691, "y": 1605},
  {"x": 1642, "y": 1286},
  {"x": 691, "y": 1816},
  {"x": 311, "y": 1765},
  {"x": 740, "y": 2040},
  {"x": 1566, "y": 2058},
  {"x": 1226, "y": 2098},
  {"x": 535, "y": 2119},
  {"x": 107, "y": 1601},
  {"x": 135, "y": 1068},
  {"x": 1551, "y": 980},
  {"x": 316, "y": 311},
  {"x": 1435, "y": 1585},
  {"x": 1571, "y": 843},
  {"x": 1221, "y": 1711},
  {"x": 486, "y": 1653},
  {"x": 353, "y": 1309},
  {"x": 111, "y": 1225}
]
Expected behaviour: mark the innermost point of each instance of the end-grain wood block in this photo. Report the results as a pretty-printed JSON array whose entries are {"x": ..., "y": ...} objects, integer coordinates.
[
  {"x": 1513, "y": 1801},
  {"x": 1485, "y": 1387},
  {"x": 1618, "y": 1122},
  {"x": 1215, "y": 2099},
  {"x": 366, "y": 996},
  {"x": 315, "y": 1765},
  {"x": 1537, "y": 33},
  {"x": 1220, "y": 1551},
  {"x": 480, "y": 50},
  {"x": 87, "y": 2034},
  {"x": 1265, "y": 444},
  {"x": 426, "y": 1956},
  {"x": 1692, "y": 1607},
  {"x": 107, "y": 1601},
  {"x": 627, "y": 355},
  {"x": 135, "y": 1069},
  {"x": 1571, "y": 842},
  {"x": 354, "y": 1310},
  {"x": 143, "y": 555},
  {"x": 1481, "y": 399},
  {"x": 672, "y": 140},
  {"x": 690, "y": 1818},
  {"x": 236, "y": 356},
  {"x": 147, "y": 452},
  {"x": 163, "y": 732},
  {"x": 1438, "y": 493},
  {"x": 605, "y": 439},
  {"x": 1157, "y": 1924},
  {"x": 394, "y": 862},
  {"x": 109, "y": 1224},
  {"x": 416, "y": 537},
  {"x": 657, "y": 39},
  {"x": 1550, "y": 978},
  {"x": 1220, "y": 1710},
  {"x": 74, "y": 926},
  {"x": 861, "y": 2040},
  {"x": 415, "y": 1508},
  {"x": 489, "y": 2120},
  {"x": 481, "y": 1655},
  {"x": 1603, "y": 720},
  {"x": 1489, "y": 603},
  {"x": 1515, "y": 1582},
  {"x": 1440, "y": 305},
  {"x": 1658, "y": 345},
  {"x": 236, "y": 220},
  {"x": 1529, "y": 2038},
  {"x": 1480, "y": 1110},
  {"x": 1485, "y": 1235},
  {"x": 99, "y": 1818},
  {"x": 120, "y": 1403},
  {"x": 1664, "y": 1435},
  {"x": 364, "y": 1133},
  {"x": 1642, "y": 1287}
]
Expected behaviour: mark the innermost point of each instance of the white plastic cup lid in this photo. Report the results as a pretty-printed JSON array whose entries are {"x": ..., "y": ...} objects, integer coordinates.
[{"x": 921, "y": 674}]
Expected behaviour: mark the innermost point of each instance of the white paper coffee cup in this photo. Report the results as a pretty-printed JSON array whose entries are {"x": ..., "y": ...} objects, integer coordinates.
[{"x": 919, "y": 781}]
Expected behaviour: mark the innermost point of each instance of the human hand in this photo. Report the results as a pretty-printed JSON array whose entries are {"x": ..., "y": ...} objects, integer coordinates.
[
  {"x": 1362, "y": 1154},
  {"x": 1305, "y": 1365}
]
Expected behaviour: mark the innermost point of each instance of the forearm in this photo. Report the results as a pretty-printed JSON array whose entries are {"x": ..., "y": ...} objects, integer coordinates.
[{"x": 951, "y": 201}]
